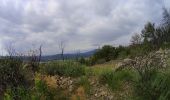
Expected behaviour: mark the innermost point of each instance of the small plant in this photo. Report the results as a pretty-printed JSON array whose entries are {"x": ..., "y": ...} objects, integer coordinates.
[{"x": 84, "y": 82}]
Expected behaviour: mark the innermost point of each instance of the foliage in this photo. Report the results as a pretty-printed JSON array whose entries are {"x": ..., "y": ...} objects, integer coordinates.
[
  {"x": 116, "y": 79},
  {"x": 19, "y": 93},
  {"x": 41, "y": 90},
  {"x": 152, "y": 79},
  {"x": 136, "y": 39},
  {"x": 10, "y": 74},
  {"x": 66, "y": 68},
  {"x": 156, "y": 87},
  {"x": 107, "y": 53}
]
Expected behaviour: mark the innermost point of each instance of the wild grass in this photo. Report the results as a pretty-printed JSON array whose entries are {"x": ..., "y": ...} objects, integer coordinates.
[
  {"x": 84, "y": 82},
  {"x": 99, "y": 69},
  {"x": 116, "y": 79},
  {"x": 66, "y": 68}
]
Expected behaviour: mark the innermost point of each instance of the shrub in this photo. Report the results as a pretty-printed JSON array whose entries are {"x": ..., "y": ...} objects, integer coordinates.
[
  {"x": 18, "y": 94},
  {"x": 116, "y": 79},
  {"x": 38, "y": 92},
  {"x": 66, "y": 68},
  {"x": 156, "y": 87},
  {"x": 153, "y": 81},
  {"x": 107, "y": 53},
  {"x": 11, "y": 74},
  {"x": 41, "y": 90}
]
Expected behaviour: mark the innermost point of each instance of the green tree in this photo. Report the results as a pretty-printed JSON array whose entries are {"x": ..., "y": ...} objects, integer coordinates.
[
  {"x": 136, "y": 39},
  {"x": 107, "y": 53}
]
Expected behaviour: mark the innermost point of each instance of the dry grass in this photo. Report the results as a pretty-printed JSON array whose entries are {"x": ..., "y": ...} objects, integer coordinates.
[
  {"x": 51, "y": 81},
  {"x": 101, "y": 68},
  {"x": 80, "y": 94}
]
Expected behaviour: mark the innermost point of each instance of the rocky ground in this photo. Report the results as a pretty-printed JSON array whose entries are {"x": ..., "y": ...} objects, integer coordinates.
[{"x": 97, "y": 90}]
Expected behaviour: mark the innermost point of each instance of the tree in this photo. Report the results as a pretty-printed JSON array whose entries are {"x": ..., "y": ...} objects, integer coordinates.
[
  {"x": 166, "y": 25},
  {"x": 35, "y": 59},
  {"x": 107, "y": 53},
  {"x": 166, "y": 17},
  {"x": 62, "y": 48},
  {"x": 151, "y": 35},
  {"x": 10, "y": 51},
  {"x": 149, "y": 32},
  {"x": 136, "y": 39}
]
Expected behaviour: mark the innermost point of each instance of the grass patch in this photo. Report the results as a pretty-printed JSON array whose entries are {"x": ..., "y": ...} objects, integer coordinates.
[
  {"x": 155, "y": 87},
  {"x": 65, "y": 68},
  {"x": 116, "y": 79},
  {"x": 84, "y": 82},
  {"x": 99, "y": 69}
]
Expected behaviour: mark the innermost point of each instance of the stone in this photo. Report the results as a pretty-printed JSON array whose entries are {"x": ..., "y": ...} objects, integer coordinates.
[
  {"x": 96, "y": 95},
  {"x": 110, "y": 97},
  {"x": 103, "y": 93}
]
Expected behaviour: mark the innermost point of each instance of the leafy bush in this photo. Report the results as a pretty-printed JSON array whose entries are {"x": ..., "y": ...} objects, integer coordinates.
[
  {"x": 116, "y": 79},
  {"x": 152, "y": 80},
  {"x": 107, "y": 53},
  {"x": 156, "y": 87},
  {"x": 66, "y": 68},
  {"x": 19, "y": 93},
  {"x": 11, "y": 74},
  {"x": 39, "y": 92}
]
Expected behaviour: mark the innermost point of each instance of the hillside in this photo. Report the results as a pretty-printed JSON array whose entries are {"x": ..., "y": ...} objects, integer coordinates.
[{"x": 68, "y": 56}]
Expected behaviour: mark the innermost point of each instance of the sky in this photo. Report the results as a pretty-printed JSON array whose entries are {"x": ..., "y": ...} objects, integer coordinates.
[{"x": 80, "y": 24}]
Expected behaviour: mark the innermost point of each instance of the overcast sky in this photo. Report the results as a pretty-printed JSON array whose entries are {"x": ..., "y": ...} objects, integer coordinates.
[{"x": 81, "y": 24}]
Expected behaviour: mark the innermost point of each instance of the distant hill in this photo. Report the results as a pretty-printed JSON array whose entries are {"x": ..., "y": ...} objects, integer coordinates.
[
  {"x": 58, "y": 56},
  {"x": 67, "y": 56}
]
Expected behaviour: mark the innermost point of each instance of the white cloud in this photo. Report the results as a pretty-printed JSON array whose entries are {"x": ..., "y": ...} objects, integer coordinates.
[{"x": 83, "y": 24}]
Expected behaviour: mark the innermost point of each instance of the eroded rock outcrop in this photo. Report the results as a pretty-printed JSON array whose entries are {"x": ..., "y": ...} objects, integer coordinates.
[{"x": 153, "y": 59}]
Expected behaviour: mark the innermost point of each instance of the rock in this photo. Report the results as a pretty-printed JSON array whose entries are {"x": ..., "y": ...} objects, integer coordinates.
[
  {"x": 96, "y": 95},
  {"x": 70, "y": 88},
  {"x": 92, "y": 83},
  {"x": 106, "y": 85},
  {"x": 125, "y": 63},
  {"x": 103, "y": 93},
  {"x": 110, "y": 97},
  {"x": 61, "y": 78},
  {"x": 71, "y": 82}
]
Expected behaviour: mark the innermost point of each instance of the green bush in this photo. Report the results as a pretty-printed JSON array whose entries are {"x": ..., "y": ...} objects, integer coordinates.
[
  {"x": 155, "y": 87},
  {"x": 66, "y": 68},
  {"x": 19, "y": 93},
  {"x": 11, "y": 74},
  {"x": 39, "y": 91},
  {"x": 116, "y": 79}
]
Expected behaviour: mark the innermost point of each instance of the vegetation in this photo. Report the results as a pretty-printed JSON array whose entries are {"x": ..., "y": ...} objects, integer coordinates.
[
  {"x": 84, "y": 82},
  {"x": 117, "y": 78},
  {"x": 66, "y": 68}
]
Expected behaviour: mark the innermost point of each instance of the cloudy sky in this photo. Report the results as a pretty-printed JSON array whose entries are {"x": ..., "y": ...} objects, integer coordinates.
[{"x": 81, "y": 24}]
